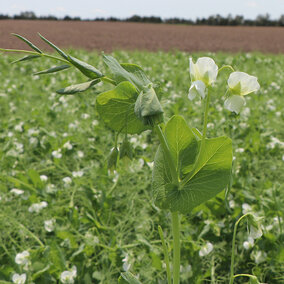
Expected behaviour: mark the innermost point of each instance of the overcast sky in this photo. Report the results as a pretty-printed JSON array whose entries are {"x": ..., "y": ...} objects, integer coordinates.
[{"x": 188, "y": 9}]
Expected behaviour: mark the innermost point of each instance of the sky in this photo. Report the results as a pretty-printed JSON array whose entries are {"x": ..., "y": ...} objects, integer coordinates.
[{"x": 187, "y": 9}]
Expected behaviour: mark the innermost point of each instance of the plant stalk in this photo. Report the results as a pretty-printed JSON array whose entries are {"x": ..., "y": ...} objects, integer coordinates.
[
  {"x": 176, "y": 246},
  {"x": 233, "y": 248}
]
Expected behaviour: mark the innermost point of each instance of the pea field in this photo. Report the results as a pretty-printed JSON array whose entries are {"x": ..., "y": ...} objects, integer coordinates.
[{"x": 62, "y": 210}]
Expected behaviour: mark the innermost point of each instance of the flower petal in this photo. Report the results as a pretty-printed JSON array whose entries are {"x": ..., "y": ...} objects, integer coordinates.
[
  {"x": 242, "y": 84},
  {"x": 234, "y": 103},
  {"x": 208, "y": 69},
  {"x": 196, "y": 88}
]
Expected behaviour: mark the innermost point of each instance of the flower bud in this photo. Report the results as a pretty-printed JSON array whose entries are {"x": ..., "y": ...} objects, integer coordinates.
[{"x": 148, "y": 108}]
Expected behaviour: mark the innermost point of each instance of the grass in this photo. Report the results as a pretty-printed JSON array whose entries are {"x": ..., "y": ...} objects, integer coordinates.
[{"x": 107, "y": 222}]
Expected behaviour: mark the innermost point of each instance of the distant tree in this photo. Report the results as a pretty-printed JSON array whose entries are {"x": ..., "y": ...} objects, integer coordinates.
[{"x": 27, "y": 15}]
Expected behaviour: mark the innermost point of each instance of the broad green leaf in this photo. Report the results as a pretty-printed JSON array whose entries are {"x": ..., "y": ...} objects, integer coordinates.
[
  {"x": 181, "y": 141},
  {"x": 127, "y": 277},
  {"x": 59, "y": 51},
  {"x": 27, "y": 57},
  {"x": 148, "y": 108},
  {"x": 73, "y": 89},
  {"x": 56, "y": 257},
  {"x": 211, "y": 174},
  {"x": 35, "y": 177},
  {"x": 87, "y": 69},
  {"x": 53, "y": 70},
  {"x": 28, "y": 43},
  {"x": 116, "y": 107},
  {"x": 126, "y": 72}
]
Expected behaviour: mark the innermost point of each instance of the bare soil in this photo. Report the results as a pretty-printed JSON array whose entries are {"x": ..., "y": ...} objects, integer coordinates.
[{"x": 109, "y": 36}]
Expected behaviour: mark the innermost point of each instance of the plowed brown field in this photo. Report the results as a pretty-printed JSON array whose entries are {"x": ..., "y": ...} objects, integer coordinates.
[{"x": 109, "y": 36}]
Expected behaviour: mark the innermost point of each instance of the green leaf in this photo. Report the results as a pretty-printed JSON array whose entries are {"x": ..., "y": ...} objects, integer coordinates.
[
  {"x": 35, "y": 177},
  {"x": 129, "y": 278},
  {"x": 87, "y": 69},
  {"x": 211, "y": 172},
  {"x": 53, "y": 69},
  {"x": 126, "y": 72},
  {"x": 181, "y": 141},
  {"x": 148, "y": 108},
  {"x": 116, "y": 107},
  {"x": 28, "y": 43},
  {"x": 59, "y": 51},
  {"x": 25, "y": 58},
  {"x": 73, "y": 89}
]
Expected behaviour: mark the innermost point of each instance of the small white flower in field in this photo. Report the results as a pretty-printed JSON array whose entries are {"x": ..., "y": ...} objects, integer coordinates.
[
  {"x": 205, "y": 70},
  {"x": 126, "y": 265},
  {"x": 206, "y": 249},
  {"x": 17, "y": 191},
  {"x": 22, "y": 258},
  {"x": 67, "y": 277},
  {"x": 68, "y": 145},
  {"x": 19, "y": 127},
  {"x": 49, "y": 225},
  {"x": 50, "y": 188},
  {"x": 240, "y": 150},
  {"x": 73, "y": 125},
  {"x": 37, "y": 207},
  {"x": 33, "y": 141},
  {"x": 57, "y": 154},
  {"x": 240, "y": 84},
  {"x": 197, "y": 88},
  {"x": 255, "y": 232},
  {"x": 10, "y": 134},
  {"x": 85, "y": 116},
  {"x": 43, "y": 178},
  {"x": 19, "y": 278},
  {"x": 283, "y": 158},
  {"x": 232, "y": 204},
  {"x": 67, "y": 180},
  {"x": 246, "y": 208},
  {"x": 259, "y": 256},
  {"x": 95, "y": 122},
  {"x": 80, "y": 154},
  {"x": 77, "y": 174},
  {"x": 249, "y": 243},
  {"x": 278, "y": 113}
]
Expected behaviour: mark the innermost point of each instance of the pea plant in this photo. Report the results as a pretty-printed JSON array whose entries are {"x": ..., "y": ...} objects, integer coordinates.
[{"x": 189, "y": 168}]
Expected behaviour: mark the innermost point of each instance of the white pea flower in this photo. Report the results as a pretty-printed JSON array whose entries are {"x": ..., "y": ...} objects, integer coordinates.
[
  {"x": 196, "y": 88},
  {"x": 22, "y": 258},
  {"x": 49, "y": 225},
  {"x": 205, "y": 70},
  {"x": 17, "y": 191},
  {"x": 206, "y": 249},
  {"x": 249, "y": 243},
  {"x": 77, "y": 174},
  {"x": 43, "y": 178},
  {"x": 67, "y": 277},
  {"x": 203, "y": 73},
  {"x": 80, "y": 154},
  {"x": 37, "y": 207},
  {"x": 240, "y": 84},
  {"x": 19, "y": 278},
  {"x": 255, "y": 232},
  {"x": 67, "y": 180},
  {"x": 68, "y": 145},
  {"x": 57, "y": 154},
  {"x": 246, "y": 208},
  {"x": 126, "y": 265}
]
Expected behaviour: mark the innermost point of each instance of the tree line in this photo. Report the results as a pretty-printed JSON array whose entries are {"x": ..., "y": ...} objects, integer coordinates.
[{"x": 214, "y": 20}]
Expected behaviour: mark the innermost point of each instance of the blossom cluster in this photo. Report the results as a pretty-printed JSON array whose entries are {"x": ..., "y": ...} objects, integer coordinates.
[{"x": 204, "y": 73}]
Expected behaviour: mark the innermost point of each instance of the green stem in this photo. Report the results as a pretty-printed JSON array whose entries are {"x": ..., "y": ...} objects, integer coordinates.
[
  {"x": 166, "y": 254},
  {"x": 242, "y": 275},
  {"x": 233, "y": 247},
  {"x": 168, "y": 156},
  {"x": 176, "y": 246},
  {"x": 205, "y": 121}
]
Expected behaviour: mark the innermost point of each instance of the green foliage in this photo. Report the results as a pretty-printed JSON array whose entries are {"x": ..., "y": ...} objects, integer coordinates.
[
  {"x": 129, "y": 278},
  {"x": 116, "y": 108},
  {"x": 73, "y": 89},
  {"x": 209, "y": 171}
]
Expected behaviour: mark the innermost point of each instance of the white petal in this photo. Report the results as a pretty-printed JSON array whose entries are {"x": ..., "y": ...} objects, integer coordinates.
[
  {"x": 242, "y": 83},
  {"x": 196, "y": 88},
  {"x": 193, "y": 70},
  {"x": 207, "y": 69},
  {"x": 234, "y": 103}
]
